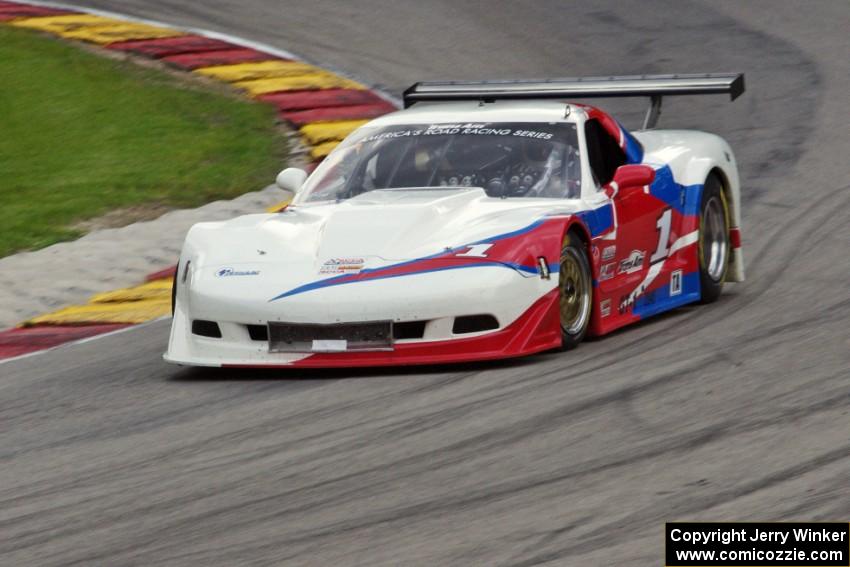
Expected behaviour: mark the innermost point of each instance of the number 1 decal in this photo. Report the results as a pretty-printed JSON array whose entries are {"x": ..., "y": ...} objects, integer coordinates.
[
  {"x": 476, "y": 251},
  {"x": 663, "y": 226}
]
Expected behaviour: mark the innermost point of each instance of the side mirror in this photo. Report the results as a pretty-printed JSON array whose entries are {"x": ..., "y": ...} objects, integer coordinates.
[
  {"x": 291, "y": 179},
  {"x": 633, "y": 176}
]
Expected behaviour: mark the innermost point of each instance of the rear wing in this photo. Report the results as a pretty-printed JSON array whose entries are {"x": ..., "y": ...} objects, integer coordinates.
[{"x": 653, "y": 86}]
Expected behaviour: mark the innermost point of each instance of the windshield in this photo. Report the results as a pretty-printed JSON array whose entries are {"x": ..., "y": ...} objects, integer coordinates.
[{"x": 505, "y": 159}]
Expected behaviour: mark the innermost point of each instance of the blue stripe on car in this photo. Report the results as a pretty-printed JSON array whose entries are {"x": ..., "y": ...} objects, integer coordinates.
[
  {"x": 660, "y": 300},
  {"x": 666, "y": 189},
  {"x": 347, "y": 278}
]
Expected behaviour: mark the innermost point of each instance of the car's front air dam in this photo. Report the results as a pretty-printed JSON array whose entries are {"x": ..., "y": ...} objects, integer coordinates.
[
  {"x": 536, "y": 330},
  {"x": 526, "y": 308}
]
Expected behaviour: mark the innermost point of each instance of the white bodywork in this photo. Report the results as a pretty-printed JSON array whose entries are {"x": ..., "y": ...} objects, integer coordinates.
[
  {"x": 381, "y": 227},
  {"x": 229, "y": 272}
]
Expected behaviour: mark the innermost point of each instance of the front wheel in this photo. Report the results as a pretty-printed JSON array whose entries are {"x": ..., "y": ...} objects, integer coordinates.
[
  {"x": 714, "y": 242},
  {"x": 576, "y": 292}
]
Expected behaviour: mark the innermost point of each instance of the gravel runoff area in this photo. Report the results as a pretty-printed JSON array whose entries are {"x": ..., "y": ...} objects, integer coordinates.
[{"x": 32, "y": 283}]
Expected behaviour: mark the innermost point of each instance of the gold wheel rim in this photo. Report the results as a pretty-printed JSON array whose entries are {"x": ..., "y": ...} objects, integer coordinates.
[{"x": 575, "y": 293}]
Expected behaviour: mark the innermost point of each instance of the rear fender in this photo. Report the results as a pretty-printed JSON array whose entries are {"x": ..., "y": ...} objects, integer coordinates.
[{"x": 721, "y": 164}]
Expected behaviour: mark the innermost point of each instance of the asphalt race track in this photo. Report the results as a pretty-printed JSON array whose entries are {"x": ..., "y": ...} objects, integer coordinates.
[{"x": 737, "y": 411}]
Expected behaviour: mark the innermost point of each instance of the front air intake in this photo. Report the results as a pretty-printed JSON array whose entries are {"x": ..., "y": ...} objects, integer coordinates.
[
  {"x": 206, "y": 329},
  {"x": 474, "y": 324},
  {"x": 258, "y": 332},
  {"x": 409, "y": 330}
]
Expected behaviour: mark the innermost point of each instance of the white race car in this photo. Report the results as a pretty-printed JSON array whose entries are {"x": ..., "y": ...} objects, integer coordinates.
[{"x": 483, "y": 221}]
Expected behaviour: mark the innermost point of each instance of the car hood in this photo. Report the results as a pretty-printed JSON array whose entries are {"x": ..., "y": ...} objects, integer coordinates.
[{"x": 378, "y": 227}]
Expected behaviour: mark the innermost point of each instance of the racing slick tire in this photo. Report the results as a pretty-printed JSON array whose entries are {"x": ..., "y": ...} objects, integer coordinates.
[
  {"x": 714, "y": 242},
  {"x": 575, "y": 286}
]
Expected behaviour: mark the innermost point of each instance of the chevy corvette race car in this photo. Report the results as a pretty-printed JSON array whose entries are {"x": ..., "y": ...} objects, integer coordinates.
[{"x": 486, "y": 220}]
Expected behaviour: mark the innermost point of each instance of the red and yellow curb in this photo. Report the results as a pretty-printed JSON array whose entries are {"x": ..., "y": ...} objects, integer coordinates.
[
  {"x": 105, "y": 313},
  {"x": 322, "y": 106}
]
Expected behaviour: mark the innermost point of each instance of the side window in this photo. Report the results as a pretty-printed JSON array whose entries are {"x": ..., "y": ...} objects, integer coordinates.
[{"x": 603, "y": 152}]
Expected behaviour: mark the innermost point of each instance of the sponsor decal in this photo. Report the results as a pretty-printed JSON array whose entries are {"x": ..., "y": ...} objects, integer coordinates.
[
  {"x": 543, "y": 268},
  {"x": 227, "y": 272},
  {"x": 609, "y": 252},
  {"x": 626, "y": 302},
  {"x": 343, "y": 266},
  {"x": 467, "y": 129},
  {"x": 606, "y": 272},
  {"x": 675, "y": 283},
  {"x": 634, "y": 263},
  {"x": 605, "y": 308},
  {"x": 656, "y": 268}
]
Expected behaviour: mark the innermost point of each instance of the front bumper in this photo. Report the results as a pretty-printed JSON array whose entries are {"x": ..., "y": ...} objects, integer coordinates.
[{"x": 536, "y": 329}]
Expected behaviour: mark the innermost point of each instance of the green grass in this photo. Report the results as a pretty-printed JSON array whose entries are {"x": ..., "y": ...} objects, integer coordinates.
[{"x": 82, "y": 134}]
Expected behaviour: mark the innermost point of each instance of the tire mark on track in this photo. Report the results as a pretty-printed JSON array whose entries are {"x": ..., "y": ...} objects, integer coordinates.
[
  {"x": 493, "y": 463},
  {"x": 600, "y": 538}
]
